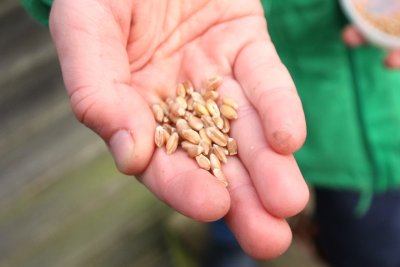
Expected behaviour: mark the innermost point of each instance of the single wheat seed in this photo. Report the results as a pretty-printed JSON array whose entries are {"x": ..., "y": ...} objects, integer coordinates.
[
  {"x": 229, "y": 112},
  {"x": 218, "y": 121},
  {"x": 172, "y": 143},
  {"x": 188, "y": 87},
  {"x": 192, "y": 149},
  {"x": 195, "y": 122},
  {"x": 211, "y": 95},
  {"x": 232, "y": 146},
  {"x": 227, "y": 126},
  {"x": 180, "y": 90},
  {"x": 203, "y": 162},
  {"x": 204, "y": 136},
  {"x": 191, "y": 135},
  {"x": 158, "y": 113},
  {"x": 213, "y": 108},
  {"x": 207, "y": 121},
  {"x": 220, "y": 176},
  {"x": 216, "y": 136},
  {"x": 200, "y": 109},
  {"x": 230, "y": 102},
  {"x": 215, "y": 163},
  {"x": 220, "y": 153},
  {"x": 181, "y": 124},
  {"x": 159, "y": 136},
  {"x": 206, "y": 147},
  {"x": 213, "y": 83}
]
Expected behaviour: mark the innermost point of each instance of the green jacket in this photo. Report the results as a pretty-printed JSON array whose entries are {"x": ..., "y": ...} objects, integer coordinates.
[
  {"x": 39, "y": 9},
  {"x": 351, "y": 102}
]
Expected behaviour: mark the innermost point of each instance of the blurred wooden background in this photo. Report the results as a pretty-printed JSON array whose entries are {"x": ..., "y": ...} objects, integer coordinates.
[{"x": 62, "y": 202}]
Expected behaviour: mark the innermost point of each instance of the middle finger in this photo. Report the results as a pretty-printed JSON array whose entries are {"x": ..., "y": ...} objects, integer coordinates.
[{"x": 276, "y": 177}]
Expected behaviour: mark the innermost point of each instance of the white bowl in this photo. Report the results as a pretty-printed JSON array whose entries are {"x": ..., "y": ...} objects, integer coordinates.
[{"x": 370, "y": 33}]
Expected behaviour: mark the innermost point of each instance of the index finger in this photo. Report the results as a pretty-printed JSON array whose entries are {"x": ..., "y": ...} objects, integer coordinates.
[
  {"x": 179, "y": 182},
  {"x": 270, "y": 88}
]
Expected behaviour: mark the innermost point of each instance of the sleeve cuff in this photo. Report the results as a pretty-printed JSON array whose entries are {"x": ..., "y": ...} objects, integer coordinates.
[{"x": 38, "y": 9}]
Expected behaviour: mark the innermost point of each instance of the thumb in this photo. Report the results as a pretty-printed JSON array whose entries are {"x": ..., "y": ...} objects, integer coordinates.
[
  {"x": 352, "y": 37},
  {"x": 96, "y": 73},
  {"x": 393, "y": 59},
  {"x": 122, "y": 118}
]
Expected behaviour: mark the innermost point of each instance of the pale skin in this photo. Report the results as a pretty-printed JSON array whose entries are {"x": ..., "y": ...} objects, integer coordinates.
[{"x": 119, "y": 57}]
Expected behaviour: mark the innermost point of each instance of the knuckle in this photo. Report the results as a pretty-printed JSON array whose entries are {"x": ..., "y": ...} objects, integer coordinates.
[{"x": 84, "y": 102}]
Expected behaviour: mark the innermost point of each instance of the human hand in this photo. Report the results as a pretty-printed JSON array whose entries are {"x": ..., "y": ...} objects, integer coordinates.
[
  {"x": 119, "y": 57},
  {"x": 354, "y": 38}
]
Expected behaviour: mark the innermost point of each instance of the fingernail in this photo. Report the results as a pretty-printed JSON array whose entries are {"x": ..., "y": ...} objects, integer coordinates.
[{"x": 122, "y": 148}]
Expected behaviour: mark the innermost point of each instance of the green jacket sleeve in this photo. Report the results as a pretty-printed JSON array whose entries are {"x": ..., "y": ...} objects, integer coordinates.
[{"x": 38, "y": 9}]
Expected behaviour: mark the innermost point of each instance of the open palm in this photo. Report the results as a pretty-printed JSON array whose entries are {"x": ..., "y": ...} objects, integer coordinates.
[{"x": 119, "y": 57}]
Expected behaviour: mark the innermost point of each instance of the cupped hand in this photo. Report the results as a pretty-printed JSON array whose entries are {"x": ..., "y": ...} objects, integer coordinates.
[
  {"x": 119, "y": 57},
  {"x": 353, "y": 37}
]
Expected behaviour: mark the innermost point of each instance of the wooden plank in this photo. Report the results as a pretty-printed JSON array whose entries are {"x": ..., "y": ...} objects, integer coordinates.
[{"x": 79, "y": 218}]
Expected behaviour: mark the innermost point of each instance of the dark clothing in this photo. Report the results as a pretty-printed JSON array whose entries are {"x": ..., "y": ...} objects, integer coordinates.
[{"x": 371, "y": 240}]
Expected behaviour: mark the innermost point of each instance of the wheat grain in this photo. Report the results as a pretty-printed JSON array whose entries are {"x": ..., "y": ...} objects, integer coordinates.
[
  {"x": 229, "y": 112},
  {"x": 203, "y": 162},
  {"x": 172, "y": 143},
  {"x": 198, "y": 124}
]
